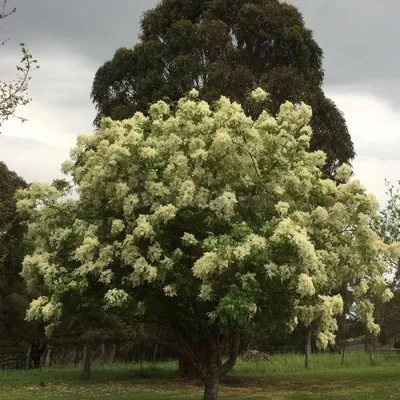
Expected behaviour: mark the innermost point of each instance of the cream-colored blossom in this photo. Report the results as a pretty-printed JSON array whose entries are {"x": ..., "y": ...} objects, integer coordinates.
[
  {"x": 224, "y": 205},
  {"x": 170, "y": 291},
  {"x": 305, "y": 286},
  {"x": 186, "y": 193},
  {"x": 205, "y": 265},
  {"x": 130, "y": 203},
  {"x": 159, "y": 110},
  {"x": 87, "y": 251},
  {"x": 164, "y": 214},
  {"x": 387, "y": 295},
  {"x": 143, "y": 228},
  {"x": 222, "y": 141},
  {"x": 206, "y": 292},
  {"x": 189, "y": 239},
  {"x": 361, "y": 289},
  {"x": 116, "y": 298},
  {"x": 148, "y": 152},
  {"x": 35, "y": 308},
  {"x": 282, "y": 208},
  {"x": 143, "y": 272},
  {"x": 344, "y": 172},
  {"x": 365, "y": 310},
  {"x": 320, "y": 214},
  {"x": 194, "y": 93},
  {"x": 259, "y": 95},
  {"x": 117, "y": 226}
]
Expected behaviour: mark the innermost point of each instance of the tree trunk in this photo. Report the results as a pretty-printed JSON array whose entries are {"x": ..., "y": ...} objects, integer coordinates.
[
  {"x": 374, "y": 342},
  {"x": 36, "y": 353},
  {"x": 210, "y": 387},
  {"x": 87, "y": 360}
]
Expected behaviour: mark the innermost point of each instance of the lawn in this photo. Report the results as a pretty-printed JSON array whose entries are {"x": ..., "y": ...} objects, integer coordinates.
[{"x": 280, "y": 378}]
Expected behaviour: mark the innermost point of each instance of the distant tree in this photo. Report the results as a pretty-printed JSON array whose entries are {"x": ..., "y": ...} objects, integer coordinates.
[
  {"x": 13, "y": 298},
  {"x": 209, "y": 220},
  {"x": 14, "y": 93},
  {"x": 387, "y": 225},
  {"x": 224, "y": 47}
]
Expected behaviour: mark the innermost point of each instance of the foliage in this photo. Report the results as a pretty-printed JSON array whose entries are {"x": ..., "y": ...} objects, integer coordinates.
[
  {"x": 14, "y": 93},
  {"x": 387, "y": 226},
  {"x": 13, "y": 247},
  {"x": 224, "y": 47},
  {"x": 208, "y": 219}
]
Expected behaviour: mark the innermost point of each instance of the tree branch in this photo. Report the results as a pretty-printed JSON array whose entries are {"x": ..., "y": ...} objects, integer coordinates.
[
  {"x": 234, "y": 344},
  {"x": 188, "y": 351}
]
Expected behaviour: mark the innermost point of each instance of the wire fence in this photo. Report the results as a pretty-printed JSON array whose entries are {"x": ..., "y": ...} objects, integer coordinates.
[{"x": 288, "y": 357}]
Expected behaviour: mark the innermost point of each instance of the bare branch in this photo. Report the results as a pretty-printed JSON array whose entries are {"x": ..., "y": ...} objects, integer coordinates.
[
  {"x": 4, "y": 14},
  {"x": 14, "y": 93}
]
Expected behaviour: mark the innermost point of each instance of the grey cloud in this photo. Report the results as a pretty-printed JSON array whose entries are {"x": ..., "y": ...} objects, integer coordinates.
[
  {"x": 22, "y": 143},
  {"x": 95, "y": 28},
  {"x": 359, "y": 37}
]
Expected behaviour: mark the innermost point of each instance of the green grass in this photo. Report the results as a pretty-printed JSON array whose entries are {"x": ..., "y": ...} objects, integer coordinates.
[{"x": 280, "y": 378}]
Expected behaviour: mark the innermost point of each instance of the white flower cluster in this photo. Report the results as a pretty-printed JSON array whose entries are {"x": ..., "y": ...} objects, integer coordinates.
[
  {"x": 305, "y": 286},
  {"x": 116, "y": 298},
  {"x": 239, "y": 203},
  {"x": 189, "y": 239},
  {"x": 224, "y": 205},
  {"x": 43, "y": 308}
]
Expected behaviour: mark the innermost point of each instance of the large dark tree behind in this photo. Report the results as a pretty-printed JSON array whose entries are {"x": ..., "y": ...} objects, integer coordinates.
[
  {"x": 224, "y": 47},
  {"x": 13, "y": 298}
]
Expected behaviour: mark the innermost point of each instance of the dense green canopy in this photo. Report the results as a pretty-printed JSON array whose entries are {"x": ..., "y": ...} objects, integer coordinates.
[
  {"x": 13, "y": 299},
  {"x": 224, "y": 47}
]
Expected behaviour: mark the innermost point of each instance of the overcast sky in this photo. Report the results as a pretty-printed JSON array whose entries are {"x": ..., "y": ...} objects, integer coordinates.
[{"x": 71, "y": 39}]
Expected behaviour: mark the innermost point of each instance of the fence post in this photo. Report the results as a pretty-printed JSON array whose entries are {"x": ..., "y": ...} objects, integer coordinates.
[
  {"x": 285, "y": 357},
  {"x": 87, "y": 359},
  {"x": 141, "y": 356},
  {"x": 47, "y": 360},
  {"x": 308, "y": 350},
  {"x": 28, "y": 356},
  {"x": 343, "y": 351},
  {"x": 77, "y": 356}
]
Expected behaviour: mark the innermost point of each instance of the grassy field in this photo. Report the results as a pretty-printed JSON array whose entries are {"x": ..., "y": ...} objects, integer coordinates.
[{"x": 280, "y": 378}]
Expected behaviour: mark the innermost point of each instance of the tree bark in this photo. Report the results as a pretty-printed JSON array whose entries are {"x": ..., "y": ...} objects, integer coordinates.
[
  {"x": 210, "y": 387},
  {"x": 374, "y": 342},
  {"x": 36, "y": 353},
  {"x": 87, "y": 360}
]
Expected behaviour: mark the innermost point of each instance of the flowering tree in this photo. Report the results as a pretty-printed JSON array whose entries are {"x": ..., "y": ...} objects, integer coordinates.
[
  {"x": 209, "y": 220},
  {"x": 387, "y": 225}
]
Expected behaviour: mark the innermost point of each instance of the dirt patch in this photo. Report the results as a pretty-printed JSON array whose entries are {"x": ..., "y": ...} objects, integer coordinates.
[{"x": 287, "y": 385}]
